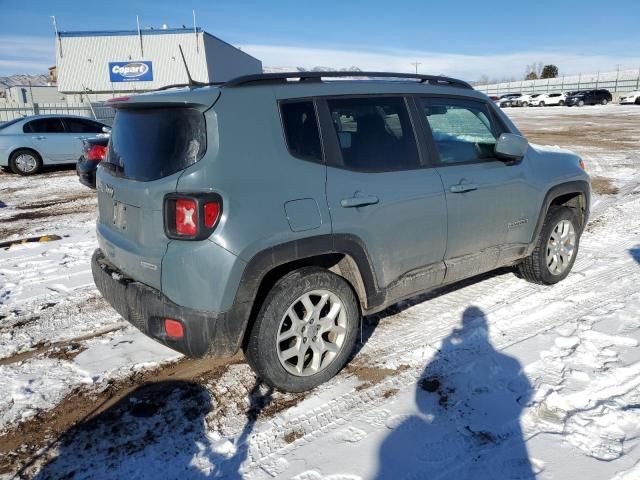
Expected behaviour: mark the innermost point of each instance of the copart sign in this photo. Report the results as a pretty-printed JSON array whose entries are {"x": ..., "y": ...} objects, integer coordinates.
[{"x": 130, "y": 71}]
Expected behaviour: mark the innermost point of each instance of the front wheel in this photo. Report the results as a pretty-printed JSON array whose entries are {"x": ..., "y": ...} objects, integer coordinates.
[
  {"x": 305, "y": 330},
  {"x": 556, "y": 248},
  {"x": 542, "y": 104},
  {"x": 561, "y": 103},
  {"x": 581, "y": 103}
]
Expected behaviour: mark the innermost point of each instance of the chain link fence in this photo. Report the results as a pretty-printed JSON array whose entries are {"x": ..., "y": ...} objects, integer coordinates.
[
  {"x": 616, "y": 82},
  {"x": 97, "y": 111}
]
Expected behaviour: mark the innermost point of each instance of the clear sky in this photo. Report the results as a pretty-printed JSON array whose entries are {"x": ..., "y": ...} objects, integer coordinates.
[{"x": 462, "y": 38}]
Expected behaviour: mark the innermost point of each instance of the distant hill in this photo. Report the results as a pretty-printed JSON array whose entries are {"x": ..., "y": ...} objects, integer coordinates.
[{"x": 7, "y": 82}]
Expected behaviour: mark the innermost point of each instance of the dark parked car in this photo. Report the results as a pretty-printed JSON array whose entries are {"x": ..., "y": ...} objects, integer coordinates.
[
  {"x": 589, "y": 97},
  {"x": 94, "y": 151}
]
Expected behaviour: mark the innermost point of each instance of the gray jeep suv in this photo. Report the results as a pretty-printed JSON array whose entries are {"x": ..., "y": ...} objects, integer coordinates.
[{"x": 271, "y": 212}]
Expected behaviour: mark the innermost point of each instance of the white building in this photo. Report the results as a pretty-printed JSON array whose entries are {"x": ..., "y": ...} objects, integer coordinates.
[
  {"x": 106, "y": 63},
  {"x": 33, "y": 94}
]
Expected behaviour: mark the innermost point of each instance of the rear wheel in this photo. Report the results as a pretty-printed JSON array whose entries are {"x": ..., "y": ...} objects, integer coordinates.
[
  {"x": 305, "y": 330},
  {"x": 561, "y": 103},
  {"x": 604, "y": 101},
  {"x": 25, "y": 162},
  {"x": 556, "y": 248},
  {"x": 638, "y": 101}
]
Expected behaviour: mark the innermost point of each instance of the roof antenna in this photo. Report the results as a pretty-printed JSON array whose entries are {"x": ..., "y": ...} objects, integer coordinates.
[{"x": 192, "y": 82}]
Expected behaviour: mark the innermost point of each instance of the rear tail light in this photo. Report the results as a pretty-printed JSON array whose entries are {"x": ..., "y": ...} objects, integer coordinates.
[
  {"x": 173, "y": 328},
  {"x": 186, "y": 217},
  {"x": 96, "y": 153},
  {"x": 191, "y": 216},
  {"x": 211, "y": 214}
]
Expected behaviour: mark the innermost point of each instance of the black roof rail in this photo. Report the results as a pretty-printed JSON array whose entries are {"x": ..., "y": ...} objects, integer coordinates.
[{"x": 317, "y": 76}]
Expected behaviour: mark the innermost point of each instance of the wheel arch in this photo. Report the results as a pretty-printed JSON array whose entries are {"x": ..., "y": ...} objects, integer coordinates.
[
  {"x": 344, "y": 255},
  {"x": 575, "y": 194},
  {"x": 31, "y": 149}
]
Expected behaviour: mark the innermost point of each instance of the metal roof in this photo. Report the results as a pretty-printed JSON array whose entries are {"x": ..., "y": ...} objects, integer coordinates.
[{"x": 120, "y": 33}]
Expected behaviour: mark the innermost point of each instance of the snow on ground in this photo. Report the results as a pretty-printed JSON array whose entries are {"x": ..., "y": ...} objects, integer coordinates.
[{"x": 490, "y": 378}]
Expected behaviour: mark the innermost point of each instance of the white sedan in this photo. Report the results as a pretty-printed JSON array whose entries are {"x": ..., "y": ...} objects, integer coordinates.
[
  {"x": 631, "y": 98},
  {"x": 26, "y": 144},
  {"x": 547, "y": 99}
]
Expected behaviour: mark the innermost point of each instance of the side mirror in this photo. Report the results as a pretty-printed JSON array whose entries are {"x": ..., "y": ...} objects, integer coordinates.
[
  {"x": 106, "y": 129},
  {"x": 511, "y": 147}
]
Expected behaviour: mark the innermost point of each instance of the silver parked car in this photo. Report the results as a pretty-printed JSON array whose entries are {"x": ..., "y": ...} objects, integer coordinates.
[{"x": 26, "y": 144}]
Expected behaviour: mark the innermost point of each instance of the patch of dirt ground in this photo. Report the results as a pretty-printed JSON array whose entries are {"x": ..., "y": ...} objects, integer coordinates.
[
  {"x": 19, "y": 445},
  {"x": 603, "y": 186}
]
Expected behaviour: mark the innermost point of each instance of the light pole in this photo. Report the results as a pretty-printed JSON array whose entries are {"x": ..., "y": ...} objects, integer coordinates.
[{"x": 415, "y": 64}]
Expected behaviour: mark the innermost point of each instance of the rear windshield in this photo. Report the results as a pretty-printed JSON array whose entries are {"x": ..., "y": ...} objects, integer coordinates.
[{"x": 151, "y": 143}]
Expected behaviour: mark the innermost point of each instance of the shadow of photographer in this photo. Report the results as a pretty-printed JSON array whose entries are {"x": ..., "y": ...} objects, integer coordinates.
[{"x": 469, "y": 400}]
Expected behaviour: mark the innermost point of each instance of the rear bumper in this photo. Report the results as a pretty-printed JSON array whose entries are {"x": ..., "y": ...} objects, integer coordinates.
[
  {"x": 146, "y": 308},
  {"x": 86, "y": 172}
]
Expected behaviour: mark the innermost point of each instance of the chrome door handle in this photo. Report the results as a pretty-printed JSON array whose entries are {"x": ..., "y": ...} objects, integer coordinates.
[
  {"x": 40, "y": 137},
  {"x": 463, "y": 187},
  {"x": 359, "y": 201}
]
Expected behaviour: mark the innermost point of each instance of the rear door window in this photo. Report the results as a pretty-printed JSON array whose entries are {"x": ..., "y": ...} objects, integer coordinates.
[
  {"x": 151, "y": 143},
  {"x": 44, "y": 125},
  {"x": 301, "y": 129},
  {"x": 78, "y": 125},
  {"x": 463, "y": 130},
  {"x": 374, "y": 133}
]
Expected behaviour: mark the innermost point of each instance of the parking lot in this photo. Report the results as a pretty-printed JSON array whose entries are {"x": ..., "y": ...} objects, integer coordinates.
[{"x": 86, "y": 395}]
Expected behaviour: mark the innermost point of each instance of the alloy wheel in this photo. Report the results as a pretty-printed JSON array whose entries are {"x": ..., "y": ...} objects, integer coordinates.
[
  {"x": 560, "y": 247},
  {"x": 312, "y": 333}
]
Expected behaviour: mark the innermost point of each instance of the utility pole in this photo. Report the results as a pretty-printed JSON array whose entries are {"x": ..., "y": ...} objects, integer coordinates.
[{"x": 415, "y": 64}]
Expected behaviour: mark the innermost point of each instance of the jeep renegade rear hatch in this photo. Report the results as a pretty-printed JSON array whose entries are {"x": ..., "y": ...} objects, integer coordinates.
[
  {"x": 154, "y": 138},
  {"x": 152, "y": 143}
]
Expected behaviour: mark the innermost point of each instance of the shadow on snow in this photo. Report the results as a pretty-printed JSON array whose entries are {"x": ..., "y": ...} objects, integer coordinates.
[
  {"x": 469, "y": 401},
  {"x": 157, "y": 431}
]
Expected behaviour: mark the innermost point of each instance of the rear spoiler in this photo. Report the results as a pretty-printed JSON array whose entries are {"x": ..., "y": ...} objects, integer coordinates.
[{"x": 200, "y": 98}]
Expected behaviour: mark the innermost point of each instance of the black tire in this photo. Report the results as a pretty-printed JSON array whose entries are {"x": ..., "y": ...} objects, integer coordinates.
[
  {"x": 581, "y": 103},
  {"x": 604, "y": 101},
  {"x": 534, "y": 268},
  {"x": 261, "y": 348},
  {"x": 638, "y": 101},
  {"x": 25, "y": 151},
  {"x": 561, "y": 103},
  {"x": 541, "y": 104}
]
